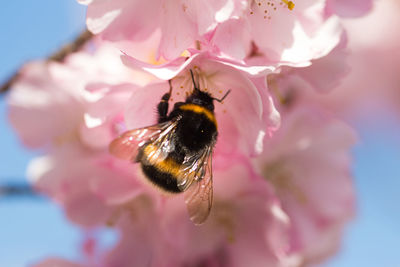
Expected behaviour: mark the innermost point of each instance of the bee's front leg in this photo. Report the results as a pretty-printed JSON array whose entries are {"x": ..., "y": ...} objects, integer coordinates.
[{"x": 162, "y": 107}]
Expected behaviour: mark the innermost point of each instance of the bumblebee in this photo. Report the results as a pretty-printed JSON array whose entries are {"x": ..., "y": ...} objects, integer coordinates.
[{"x": 176, "y": 154}]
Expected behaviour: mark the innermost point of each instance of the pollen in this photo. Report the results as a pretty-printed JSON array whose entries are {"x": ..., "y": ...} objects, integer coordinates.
[
  {"x": 266, "y": 8},
  {"x": 289, "y": 4},
  {"x": 152, "y": 59},
  {"x": 185, "y": 54}
]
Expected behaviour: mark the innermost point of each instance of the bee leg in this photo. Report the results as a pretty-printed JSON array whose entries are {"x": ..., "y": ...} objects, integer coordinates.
[{"x": 162, "y": 107}]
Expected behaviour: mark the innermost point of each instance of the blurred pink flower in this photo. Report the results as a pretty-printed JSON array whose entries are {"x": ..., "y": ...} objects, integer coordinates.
[
  {"x": 370, "y": 89},
  {"x": 348, "y": 8},
  {"x": 291, "y": 84},
  {"x": 88, "y": 185},
  {"x": 47, "y": 103},
  {"x": 60, "y": 107},
  {"x": 246, "y": 228},
  {"x": 308, "y": 163}
]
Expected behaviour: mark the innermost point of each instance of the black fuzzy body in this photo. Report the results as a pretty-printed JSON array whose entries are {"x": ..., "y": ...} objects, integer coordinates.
[{"x": 196, "y": 130}]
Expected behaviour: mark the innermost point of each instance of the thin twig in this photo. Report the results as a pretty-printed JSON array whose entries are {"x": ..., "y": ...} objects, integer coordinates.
[
  {"x": 58, "y": 56},
  {"x": 13, "y": 190},
  {"x": 75, "y": 46}
]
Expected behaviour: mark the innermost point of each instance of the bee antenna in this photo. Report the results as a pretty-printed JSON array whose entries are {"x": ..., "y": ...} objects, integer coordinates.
[
  {"x": 222, "y": 99},
  {"x": 194, "y": 83}
]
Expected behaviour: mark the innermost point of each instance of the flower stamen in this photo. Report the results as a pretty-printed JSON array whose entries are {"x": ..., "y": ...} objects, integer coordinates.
[{"x": 289, "y": 4}]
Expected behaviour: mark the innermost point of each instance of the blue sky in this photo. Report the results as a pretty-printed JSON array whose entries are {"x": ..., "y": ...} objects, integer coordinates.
[{"x": 31, "y": 229}]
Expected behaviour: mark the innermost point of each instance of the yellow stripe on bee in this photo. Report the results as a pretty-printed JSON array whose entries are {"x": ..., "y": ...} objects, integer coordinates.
[
  {"x": 167, "y": 165},
  {"x": 200, "y": 110}
]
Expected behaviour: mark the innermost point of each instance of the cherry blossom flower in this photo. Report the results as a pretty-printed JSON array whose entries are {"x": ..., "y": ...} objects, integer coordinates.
[
  {"x": 308, "y": 163},
  {"x": 282, "y": 196},
  {"x": 369, "y": 89},
  {"x": 96, "y": 189},
  {"x": 47, "y": 102},
  {"x": 175, "y": 25},
  {"x": 246, "y": 227},
  {"x": 88, "y": 185},
  {"x": 51, "y": 107},
  {"x": 284, "y": 31},
  {"x": 245, "y": 116}
]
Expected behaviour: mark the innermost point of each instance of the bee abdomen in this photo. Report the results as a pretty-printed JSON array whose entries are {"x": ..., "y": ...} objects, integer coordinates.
[{"x": 164, "y": 180}]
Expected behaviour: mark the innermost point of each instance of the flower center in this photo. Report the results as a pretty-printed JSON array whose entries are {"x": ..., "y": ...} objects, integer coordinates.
[{"x": 266, "y": 8}]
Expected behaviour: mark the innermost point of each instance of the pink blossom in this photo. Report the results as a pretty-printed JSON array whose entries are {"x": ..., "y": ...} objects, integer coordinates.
[
  {"x": 327, "y": 73},
  {"x": 292, "y": 85},
  {"x": 175, "y": 25},
  {"x": 61, "y": 107},
  {"x": 47, "y": 102},
  {"x": 286, "y": 206},
  {"x": 285, "y": 32},
  {"x": 246, "y": 227},
  {"x": 89, "y": 185},
  {"x": 244, "y": 117},
  {"x": 308, "y": 164},
  {"x": 373, "y": 83},
  {"x": 104, "y": 114}
]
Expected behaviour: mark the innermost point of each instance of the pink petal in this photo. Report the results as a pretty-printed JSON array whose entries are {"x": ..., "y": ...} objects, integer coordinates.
[
  {"x": 121, "y": 19},
  {"x": 349, "y": 8},
  {"x": 37, "y": 107},
  {"x": 86, "y": 210},
  {"x": 104, "y": 116},
  {"x": 141, "y": 108},
  {"x": 117, "y": 183},
  {"x": 327, "y": 72},
  {"x": 178, "y": 30},
  {"x": 233, "y": 39}
]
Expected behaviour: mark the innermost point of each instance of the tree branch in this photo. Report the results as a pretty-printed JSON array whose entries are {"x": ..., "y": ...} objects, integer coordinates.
[{"x": 17, "y": 189}]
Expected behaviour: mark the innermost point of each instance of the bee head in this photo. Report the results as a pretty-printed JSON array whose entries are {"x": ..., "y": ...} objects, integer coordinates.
[{"x": 201, "y": 98}]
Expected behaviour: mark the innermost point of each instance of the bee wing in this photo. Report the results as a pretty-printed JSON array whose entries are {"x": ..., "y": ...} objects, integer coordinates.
[
  {"x": 128, "y": 144},
  {"x": 199, "y": 189}
]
